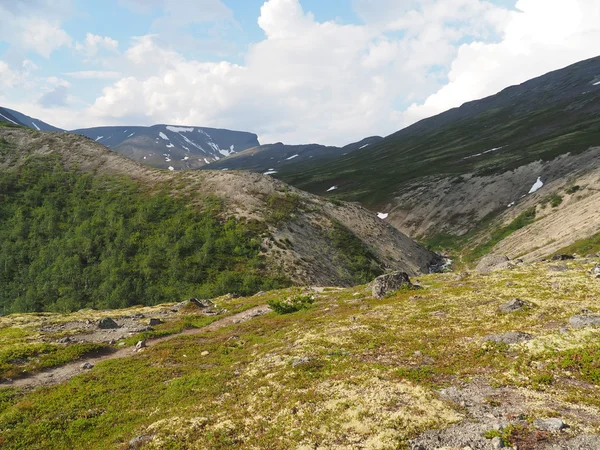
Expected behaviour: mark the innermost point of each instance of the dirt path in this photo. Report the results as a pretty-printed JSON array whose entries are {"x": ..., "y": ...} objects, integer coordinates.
[{"x": 57, "y": 375}]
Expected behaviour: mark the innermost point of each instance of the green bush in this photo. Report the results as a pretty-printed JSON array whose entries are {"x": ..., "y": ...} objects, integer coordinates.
[
  {"x": 291, "y": 304},
  {"x": 573, "y": 189},
  {"x": 556, "y": 200}
]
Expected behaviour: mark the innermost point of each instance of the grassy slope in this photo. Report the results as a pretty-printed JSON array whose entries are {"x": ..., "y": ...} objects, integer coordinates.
[
  {"x": 342, "y": 373},
  {"x": 538, "y": 120}
]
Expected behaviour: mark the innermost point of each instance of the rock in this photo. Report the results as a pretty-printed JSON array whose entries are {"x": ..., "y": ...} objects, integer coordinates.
[
  {"x": 596, "y": 270},
  {"x": 107, "y": 323},
  {"x": 512, "y": 337},
  {"x": 515, "y": 304},
  {"x": 299, "y": 361},
  {"x": 140, "y": 345},
  {"x": 87, "y": 366},
  {"x": 64, "y": 340},
  {"x": 561, "y": 268},
  {"x": 154, "y": 321},
  {"x": 204, "y": 353},
  {"x": 389, "y": 283},
  {"x": 562, "y": 257},
  {"x": 549, "y": 424},
  {"x": 139, "y": 441},
  {"x": 194, "y": 303},
  {"x": 497, "y": 443},
  {"x": 491, "y": 263},
  {"x": 583, "y": 321}
]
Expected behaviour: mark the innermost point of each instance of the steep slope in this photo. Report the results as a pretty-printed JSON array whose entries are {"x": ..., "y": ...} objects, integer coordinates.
[
  {"x": 22, "y": 119},
  {"x": 8, "y": 118},
  {"x": 301, "y": 237},
  {"x": 453, "y": 173},
  {"x": 271, "y": 158},
  {"x": 168, "y": 146}
]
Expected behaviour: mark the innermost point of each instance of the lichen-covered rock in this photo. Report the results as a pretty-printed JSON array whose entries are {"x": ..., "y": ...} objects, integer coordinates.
[
  {"x": 582, "y": 321},
  {"x": 154, "y": 321},
  {"x": 552, "y": 424},
  {"x": 491, "y": 263},
  {"x": 107, "y": 323},
  {"x": 386, "y": 284},
  {"x": 512, "y": 337},
  {"x": 515, "y": 304}
]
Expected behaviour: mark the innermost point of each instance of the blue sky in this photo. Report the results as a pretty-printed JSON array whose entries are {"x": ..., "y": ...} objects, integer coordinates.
[{"x": 291, "y": 70}]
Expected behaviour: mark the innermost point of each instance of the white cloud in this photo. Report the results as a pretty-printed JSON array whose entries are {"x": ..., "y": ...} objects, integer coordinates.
[
  {"x": 94, "y": 75},
  {"x": 541, "y": 36},
  {"x": 94, "y": 43},
  {"x": 307, "y": 81}
]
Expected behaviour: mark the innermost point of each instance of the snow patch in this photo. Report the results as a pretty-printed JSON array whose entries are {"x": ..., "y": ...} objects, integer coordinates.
[
  {"x": 270, "y": 172},
  {"x": 163, "y": 136},
  {"x": 291, "y": 157},
  {"x": 366, "y": 145},
  {"x": 35, "y": 125},
  {"x": 537, "y": 186},
  {"x": 332, "y": 188},
  {"x": 170, "y": 146},
  {"x": 6, "y": 118},
  {"x": 495, "y": 149},
  {"x": 98, "y": 138},
  {"x": 167, "y": 159},
  {"x": 206, "y": 161},
  {"x": 382, "y": 216},
  {"x": 171, "y": 168},
  {"x": 180, "y": 129},
  {"x": 232, "y": 148},
  {"x": 131, "y": 134},
  {"x": 510, "y": 205},
  {"x": 185, "y": 158},
  {"x": 597, "y": 83}
]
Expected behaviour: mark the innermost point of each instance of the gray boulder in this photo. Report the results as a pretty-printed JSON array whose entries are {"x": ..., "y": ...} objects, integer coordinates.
[
  {"x": 512, "y": 337},
  {"x": 87, "y": 366},
  {"x": 562, "y": 257},
  {"x": 583, "y": 321},
  {"x": 491, "y": 263},
  {"x": 553, "y": 424},
  {"x": 515, "y": 304},
  {"x": 596, "y": 270},
  {"x": 140, "y": 345},
  {"x": 107, "y": 323},
  {"x": 389, "y": 283},
  {"x": 154, "y": 321}
]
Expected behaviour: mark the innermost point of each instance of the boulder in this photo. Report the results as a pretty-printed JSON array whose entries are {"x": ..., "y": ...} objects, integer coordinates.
[
  {"x": 389, "y": 283},
  {"x": 491, "y": 263},
  {"x": 140, "y": 441},
  {"x": 512, "y": 337},
  {"x": 553, "y": 424},
  {"x": 562, "y": 257},
  {"x": 515, "y": 304},
  {"x": 154, "y": 321},
  {"x": 140, "y": 345},
  {"x": 582, "y": 321},
  {"x": 596, "y": 270},
  {"x": 87, "y": 366},
  {"x": 107, "y": 323}
]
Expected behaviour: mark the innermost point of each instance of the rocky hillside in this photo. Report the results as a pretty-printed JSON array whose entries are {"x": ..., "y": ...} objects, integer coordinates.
[
  {"x": 494, "y": 158},
  {"x": 507, "y": 359},
  {"x": 301, "y": 237},
  {"x": 172, "y": 147},
  {"x": 270, "y": 159}
]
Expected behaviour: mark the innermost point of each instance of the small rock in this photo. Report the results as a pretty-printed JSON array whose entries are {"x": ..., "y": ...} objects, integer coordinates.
[
  {"x": 64, "y": 340},
  {"x": 154, "y": 321},
  {"x": 549, "y": 424},
  {"x": 204, "y": 353},
  {"x": 583, "y": 321},
  {"x": 515, "y": 304},
  {"x": 139, "y": 441},
  {"x": 492, "y": 263},
  {"x": 561, "y": 268},
  {"x": 298, "y": 361},
  {"x": 562, "y": 257},
  {"x": 87, "y": 366},
  {"x": 512, "y": 337},
  {"x": 418, "y": 354},
  {"x": 107, "y": 323},
  {"x": 140, "y": 345},
  {"x": 389, "y": 283},
  {"x": 497, "y": 443},
  {"x": 510, "y": 284},
  {"x": 596, "y": 270}
]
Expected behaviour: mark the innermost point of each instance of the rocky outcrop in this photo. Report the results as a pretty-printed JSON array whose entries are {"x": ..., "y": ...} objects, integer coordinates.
[
  {"x": 387, "y": 284},
  {"x": 491, "y": 263}
]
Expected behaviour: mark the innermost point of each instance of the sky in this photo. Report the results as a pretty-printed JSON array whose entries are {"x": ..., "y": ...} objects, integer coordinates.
[{"x": 295, "y": 71}]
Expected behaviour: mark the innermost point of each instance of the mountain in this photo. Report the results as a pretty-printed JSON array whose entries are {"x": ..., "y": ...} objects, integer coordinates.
[
  {"x": 169, "y": 146},
  {"x": 84, "y": 226},
  {"x": 17, "y": 118},
  {"x": 271, "y": 158},
  {"x": 473, "y": 170}
]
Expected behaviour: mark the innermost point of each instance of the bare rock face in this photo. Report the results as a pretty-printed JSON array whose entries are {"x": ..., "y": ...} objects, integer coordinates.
[
  {"x": 584, "y": 320},
  {"x": 386, "y": 284},
  {"x": 107, "y": 323},
  {"x": 491, "y": 263}
]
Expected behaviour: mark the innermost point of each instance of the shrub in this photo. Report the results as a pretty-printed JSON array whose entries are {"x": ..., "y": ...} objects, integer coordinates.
[
  {"x": 291, "y": 304},
  {"x": 573, "y": 189}
]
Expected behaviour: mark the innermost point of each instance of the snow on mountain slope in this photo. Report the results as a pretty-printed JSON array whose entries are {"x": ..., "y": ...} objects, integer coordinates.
[
  {"x": 170, "y": 146},
  {"x": 10, "y": 115}
]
